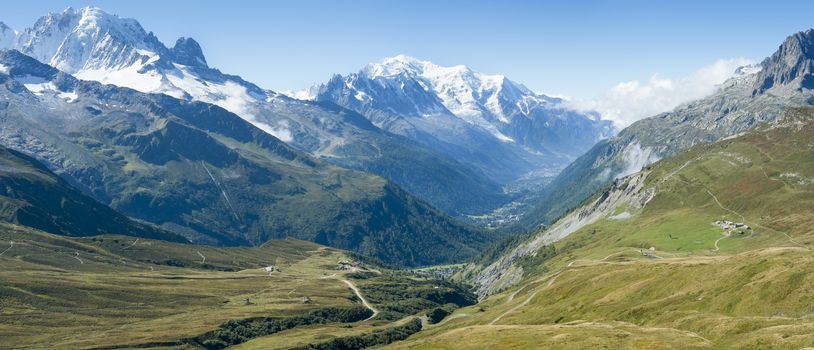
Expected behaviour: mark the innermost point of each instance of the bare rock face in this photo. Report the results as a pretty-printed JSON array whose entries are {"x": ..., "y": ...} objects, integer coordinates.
[
  {"x": 791, "y": 63},
  {"x": 188, "y": 52},
  {"x": 629, "y": 191}
]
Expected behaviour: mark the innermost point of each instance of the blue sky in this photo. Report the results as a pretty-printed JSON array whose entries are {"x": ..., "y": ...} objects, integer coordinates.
[{"x": 580, "y": 49}]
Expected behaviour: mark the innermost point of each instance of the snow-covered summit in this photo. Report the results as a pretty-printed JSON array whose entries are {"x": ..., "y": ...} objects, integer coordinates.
[
  {"x": 470, "y": 95},
  {"x": 88, "y": 39},
  {"x": 92, "y": 44},
  {"x": 436, "y": 98}
]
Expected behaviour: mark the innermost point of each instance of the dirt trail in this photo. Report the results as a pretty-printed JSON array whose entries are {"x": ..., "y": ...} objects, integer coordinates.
[
  {"x": 131, "y": 245},
  {"x": 11, "y": 245},
  {"x": 551, "y": 281},
  {"x": 452, "y": 317},
  {"x": 600, "y": 260},
  {"x": 718, "y": 240},
  {"x": 753, "y": 223},
  {"x": 362, "y": 298},
  {"x": 528, "y": 300},
  {"x": 424, "y": 321},
  {"x": 511, "y": 297}
]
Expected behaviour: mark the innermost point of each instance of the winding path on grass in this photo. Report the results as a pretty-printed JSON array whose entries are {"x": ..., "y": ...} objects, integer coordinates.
[
  {"x": 551, "y": 281},
  {"x": 10, "y": 245},
  {"x": 452, "y": 317},
  {"x": 131, "y": 244},
  {"x": 528, "y": 300},
  {"x": 77, "y": 258},
  {"x": 718, "y": 240},
  {"x": 362, "y": 298},
  {"x": 753, "y": 223}
]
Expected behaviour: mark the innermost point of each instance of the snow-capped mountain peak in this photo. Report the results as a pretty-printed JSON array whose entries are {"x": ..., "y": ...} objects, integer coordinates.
[
  {"x": 87, "y": 38},
  {"x": 392, "y": 66},
  {"x": 431, "y": 94},
  {"x": 465, "y": 93}
]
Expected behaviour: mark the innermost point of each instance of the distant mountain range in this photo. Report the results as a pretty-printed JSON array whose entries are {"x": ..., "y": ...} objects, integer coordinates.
[
  {"x": 204, "y": 173},
  {"x": 451, "y": 136},
  {"x": 497, "y": 125},
  {"x": 94, "y": 45}
]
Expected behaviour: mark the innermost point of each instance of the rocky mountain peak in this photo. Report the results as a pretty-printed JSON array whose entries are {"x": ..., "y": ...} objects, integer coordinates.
[
  {"x": 188, "y": 52},
  {"x": 791, "y": 64}
]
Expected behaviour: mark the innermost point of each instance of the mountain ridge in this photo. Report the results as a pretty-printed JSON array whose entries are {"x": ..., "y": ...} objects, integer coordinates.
[
  {"x": 455, "y": 109},
  {"x": 702, "y": 243},
  {"x": 33, "y": 196},
  {"x": 756, "y": 95},
  {"x": 94, "y": 45},
  {"x": 206, "y": 173}
]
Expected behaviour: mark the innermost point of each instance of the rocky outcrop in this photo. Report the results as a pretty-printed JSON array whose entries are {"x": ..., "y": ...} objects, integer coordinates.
[
  {"x": 791, "y": 63},
  {"x": 629, "y": 192}
]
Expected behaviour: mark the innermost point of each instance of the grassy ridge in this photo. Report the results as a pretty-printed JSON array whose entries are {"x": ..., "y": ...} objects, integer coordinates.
[
  {"x": 699, "y": 287},
  {"x": 757, "y": 299},
  {"x": 33, "y": 196}
]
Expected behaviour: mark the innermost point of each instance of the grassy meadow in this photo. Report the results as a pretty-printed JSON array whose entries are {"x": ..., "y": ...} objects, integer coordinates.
[{"x": 699, "y": 287}]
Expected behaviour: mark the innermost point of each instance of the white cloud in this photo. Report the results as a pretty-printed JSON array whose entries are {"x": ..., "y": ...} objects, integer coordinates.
[{"x": 630, "y": 101}]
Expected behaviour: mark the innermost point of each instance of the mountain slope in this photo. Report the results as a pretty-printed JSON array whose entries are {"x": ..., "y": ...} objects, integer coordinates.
[
  {"x": 756, "y": 95},
  {"x": 203, "y": 172},
  {"x": 652, "y": 261},
  {"x": 31, "y": 195},
  {"x": 93, "y": 45},
  {"x": 672, "y": 204},
  {"x": 458, "y": 110}
]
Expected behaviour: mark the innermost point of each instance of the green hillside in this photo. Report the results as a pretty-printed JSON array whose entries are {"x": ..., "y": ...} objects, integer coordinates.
[
  {"x": 33, "y": 196},
  {"x": 668, "y": 276},
  {"x": 118, "y": 292},
  {"x": 205, "y": 173}
]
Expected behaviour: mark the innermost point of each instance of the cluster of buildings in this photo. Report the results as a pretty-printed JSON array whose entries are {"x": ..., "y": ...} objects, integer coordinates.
[
  {"x": 347, "y": 265},
  {"x": 729, "y": 225}
]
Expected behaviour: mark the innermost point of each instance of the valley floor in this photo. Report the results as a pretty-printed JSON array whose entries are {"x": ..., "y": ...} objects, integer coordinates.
[{"x": 111, "y": 292}]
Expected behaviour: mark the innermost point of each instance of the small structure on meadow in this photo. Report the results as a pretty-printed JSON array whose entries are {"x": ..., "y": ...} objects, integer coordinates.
[
  {"x": 347, "y": 265},
  {"x": 307, "y": 300},
  {"x": 271, "y": 269}
]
